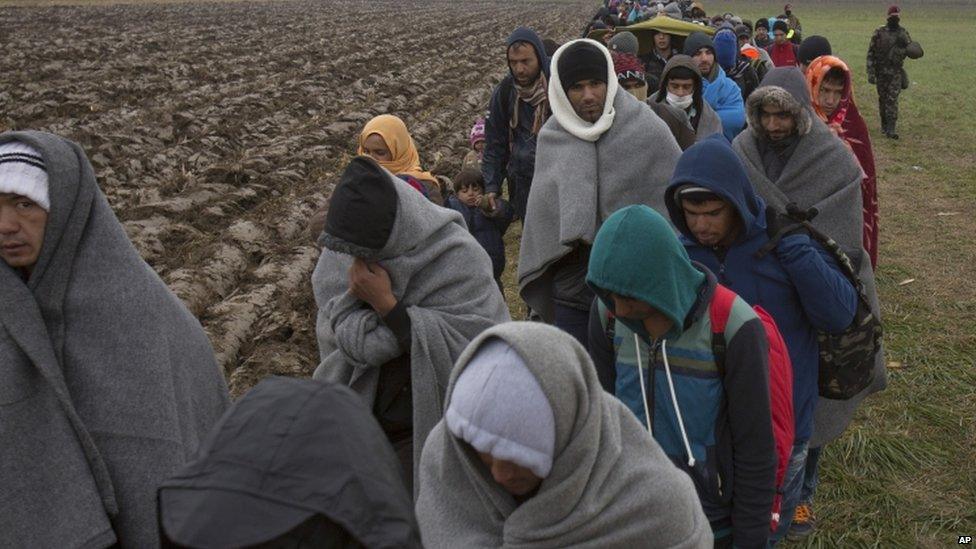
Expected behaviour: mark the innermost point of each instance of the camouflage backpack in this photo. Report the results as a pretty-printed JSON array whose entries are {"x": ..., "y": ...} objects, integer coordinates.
[{"x": 846, "y": 358}]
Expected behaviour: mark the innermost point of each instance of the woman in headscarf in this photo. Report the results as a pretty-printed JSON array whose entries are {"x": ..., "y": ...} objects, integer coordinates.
[
  {"x": 533, "y": 453},
  {"x": 386, "y": 139},
  {"x": 832, "y": 94}
]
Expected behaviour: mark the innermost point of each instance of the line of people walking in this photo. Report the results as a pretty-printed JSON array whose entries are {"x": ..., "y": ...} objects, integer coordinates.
[{"x": 700, "y": 262}]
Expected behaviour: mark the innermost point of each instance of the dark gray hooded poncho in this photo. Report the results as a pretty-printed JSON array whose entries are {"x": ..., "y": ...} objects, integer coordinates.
[{"x": 108, "y": 383}]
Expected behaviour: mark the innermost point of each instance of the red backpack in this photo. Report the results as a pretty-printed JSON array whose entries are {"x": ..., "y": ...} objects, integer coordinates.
[{"x": 780, "y": 383}]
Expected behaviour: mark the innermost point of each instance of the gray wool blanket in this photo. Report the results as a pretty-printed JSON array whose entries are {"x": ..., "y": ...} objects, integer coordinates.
[
  {"x": 708, "y": 123},
  {"x": 108, "y": 383},
  {"x": 442, "y": 275},
  {"x": 823, "y": 173},
  {"x": 578, "y": 184},
  {"x": 610, "y": 485}
]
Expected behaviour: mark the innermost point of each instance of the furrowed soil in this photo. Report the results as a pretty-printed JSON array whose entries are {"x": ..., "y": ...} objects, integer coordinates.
[{"x": 215, "y": 130}]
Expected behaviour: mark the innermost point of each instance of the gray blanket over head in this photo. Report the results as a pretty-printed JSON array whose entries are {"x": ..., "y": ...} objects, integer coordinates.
[
  {"x": 823, "y": 173},
  {"x": 442, "y": 275},
  {"x": 610, "y": 485},
  {"x": 108, "y": 383},
  {"x": 578, "y": 184}
]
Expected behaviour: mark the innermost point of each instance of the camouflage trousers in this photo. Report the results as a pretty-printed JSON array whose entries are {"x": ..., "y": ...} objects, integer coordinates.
[{"x": 889, "y": 86}]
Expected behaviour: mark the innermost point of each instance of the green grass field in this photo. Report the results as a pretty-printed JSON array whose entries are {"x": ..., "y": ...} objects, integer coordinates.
[{"x": 904, "y": 474}]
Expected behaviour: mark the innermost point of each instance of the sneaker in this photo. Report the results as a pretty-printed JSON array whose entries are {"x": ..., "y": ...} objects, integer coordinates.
[{"x": 803, "y": 522}]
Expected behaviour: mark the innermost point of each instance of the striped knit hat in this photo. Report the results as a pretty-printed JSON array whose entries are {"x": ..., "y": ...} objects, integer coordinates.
[{"x": 22, "y": 172}]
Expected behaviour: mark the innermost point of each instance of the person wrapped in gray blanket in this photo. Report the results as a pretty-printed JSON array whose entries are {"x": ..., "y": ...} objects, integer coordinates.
[
  {"x": 401, "y": 289},
  {"x": 533, "y": 453},
  {"x": 107, "y": 383},
  {"x": 585, "y": 170}
]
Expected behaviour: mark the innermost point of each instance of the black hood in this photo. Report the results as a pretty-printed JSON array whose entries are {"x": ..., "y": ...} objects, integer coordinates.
[{"x": 291, "y": 449}]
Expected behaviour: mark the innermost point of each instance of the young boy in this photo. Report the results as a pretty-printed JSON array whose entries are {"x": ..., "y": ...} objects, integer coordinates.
[
  {"x": 487, "y": 226},
  {"x": 477, "y": 140}
]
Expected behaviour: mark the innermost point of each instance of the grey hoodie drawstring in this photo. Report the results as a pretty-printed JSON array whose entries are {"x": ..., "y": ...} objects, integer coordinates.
[
  {"x": 674, "y": 402},
  {"x": 640, "y": 374}
]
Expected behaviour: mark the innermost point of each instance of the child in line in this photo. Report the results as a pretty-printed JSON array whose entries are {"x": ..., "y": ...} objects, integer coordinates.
[
  {"x": 477, "y": 140},
  {"x": 487, "y": 226}
]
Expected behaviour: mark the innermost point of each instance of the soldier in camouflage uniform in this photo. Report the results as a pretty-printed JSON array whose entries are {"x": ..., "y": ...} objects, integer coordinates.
[{"x": 886, "y": 55}]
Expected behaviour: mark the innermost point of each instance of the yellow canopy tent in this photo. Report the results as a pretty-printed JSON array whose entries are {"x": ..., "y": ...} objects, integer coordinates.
[{"x": 660, "y": 23}]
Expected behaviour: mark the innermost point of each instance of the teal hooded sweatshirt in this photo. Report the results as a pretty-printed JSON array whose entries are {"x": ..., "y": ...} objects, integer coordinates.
[{"x": 714, "y": 425}]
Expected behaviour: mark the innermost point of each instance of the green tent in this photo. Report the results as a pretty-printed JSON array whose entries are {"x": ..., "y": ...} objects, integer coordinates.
[{"x": 660, "y": 23}]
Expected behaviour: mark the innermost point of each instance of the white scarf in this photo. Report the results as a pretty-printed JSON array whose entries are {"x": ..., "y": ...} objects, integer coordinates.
[{"x": 563, "y": 110}]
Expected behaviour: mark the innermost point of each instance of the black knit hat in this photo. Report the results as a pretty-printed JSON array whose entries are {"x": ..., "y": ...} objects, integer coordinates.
[
  {"x": 582, "y": 61},
  {"x": 362, "y": 210},
  {"x": 781, "y": 25},
  {"x": 813, "y": 47},
  {"x": 697, "y": 41},
  {"x": 762, "y": 22}
]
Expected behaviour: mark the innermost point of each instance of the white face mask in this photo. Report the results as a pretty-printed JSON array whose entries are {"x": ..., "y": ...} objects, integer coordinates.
[{"x": 682, "y": 102}]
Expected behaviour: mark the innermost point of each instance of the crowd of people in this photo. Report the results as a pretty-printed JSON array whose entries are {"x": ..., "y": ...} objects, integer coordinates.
[{"x": 699, "y": 237}]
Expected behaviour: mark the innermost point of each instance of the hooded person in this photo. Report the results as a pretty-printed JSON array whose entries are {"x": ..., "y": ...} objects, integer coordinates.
[
  {"x": 630, "y": 76},
  {"x": 725, "y": 226},
  {"x": 783, "y": 52},
  {"x": 831, "y": 89},
  {"x": 401, "y": 288},
  {"x": 294, "y": 460},
  {"x": 518, "y": 108},
  {"x": 718, "y": 90},
  {"x": 652, "y": 346},
  {"x": 811, "y": 48},
  {"x": 681, "y": 88},
  {"x": 582, "y": 178},
  {"x": 387, "y": 140},
  {"x": 533, "y": 453},
  {"x": 808, "y": 166},
  {"x": 109, "y": 384},
  {"x": 736, "y": 67}
]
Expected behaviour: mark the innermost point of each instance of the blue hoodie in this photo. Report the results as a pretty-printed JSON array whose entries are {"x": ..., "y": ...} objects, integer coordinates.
[
  {"x": 725, "y": 97},
  {"x": 511, "y": 153},
  {"x": 799, "y": 283}
]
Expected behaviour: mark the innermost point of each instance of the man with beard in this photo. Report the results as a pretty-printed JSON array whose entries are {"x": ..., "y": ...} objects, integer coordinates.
[
  {"x": 519, "y": 106},
  {"x": 581, "y": 178},
  {"x": 791, "y": 156},
  {"x": 886, "y": 59},
  {"x": 720, "y": 91}
]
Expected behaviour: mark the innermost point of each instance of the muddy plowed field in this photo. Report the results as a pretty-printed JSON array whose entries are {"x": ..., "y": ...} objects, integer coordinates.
[{"x": 217, "y": 129}]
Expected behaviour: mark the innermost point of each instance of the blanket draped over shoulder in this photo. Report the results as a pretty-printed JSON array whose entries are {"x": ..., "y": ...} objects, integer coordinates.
[
  {"x": 579, "y": 183},
  {"x": 824, "y": 174},
  {"x": 610, "y": 483},
  {"x": 444, "y": 278},
  {"x": 108, "y": 383}
]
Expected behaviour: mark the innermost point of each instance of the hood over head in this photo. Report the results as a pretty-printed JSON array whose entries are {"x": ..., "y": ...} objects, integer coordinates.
[
  {"x": 289, "y": 450},
  {"x": 562, "y": 109},
  {"x": 816, "y": 73},
  {"x": 637, "y": 255},
  {"x": 726, "y": 48},
  {"x": 785, "y": 88},
  {"x": 712, "y": 164},
  {"x": 685, "y": 62},
  {"x": 525, "y": 34}
]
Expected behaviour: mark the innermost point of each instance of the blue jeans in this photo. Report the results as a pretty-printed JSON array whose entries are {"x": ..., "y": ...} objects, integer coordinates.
[
  {"x": 575, "y": 322},
  {"x": 792, "y": 488},
  {"x": 812, "y": 475}
]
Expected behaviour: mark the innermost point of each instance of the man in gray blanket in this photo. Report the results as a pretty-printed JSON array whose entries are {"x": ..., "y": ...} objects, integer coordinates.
[
  {"x": 107, "y": 383},
  {"x": 792, "y": 157},
  {"x": 401, "y": 288},
  {"x": 585, "y": 170}
]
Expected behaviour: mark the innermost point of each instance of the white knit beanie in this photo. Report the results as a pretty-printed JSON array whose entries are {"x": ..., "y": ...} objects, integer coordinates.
[
  {"x": 499, "y": 408},
  {"x": 22, "y": 172}
]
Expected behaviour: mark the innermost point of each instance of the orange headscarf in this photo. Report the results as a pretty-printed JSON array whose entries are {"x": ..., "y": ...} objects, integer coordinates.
[
  {"x": 406, "y": 159},
  {"x": 816, "y": 72}
]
